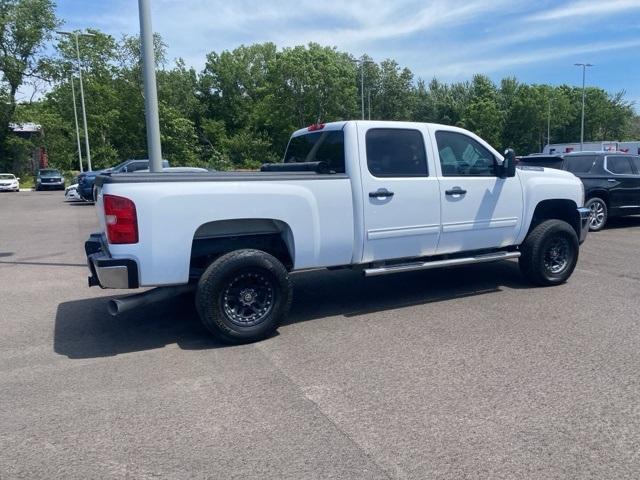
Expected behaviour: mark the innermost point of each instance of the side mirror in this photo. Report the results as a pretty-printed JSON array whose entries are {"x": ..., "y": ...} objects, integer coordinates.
[
  {"x": 18, "y": 178},
  {"x": 508, "y": 167}
]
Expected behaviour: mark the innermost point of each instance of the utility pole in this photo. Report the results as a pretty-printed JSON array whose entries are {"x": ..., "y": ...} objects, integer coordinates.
[
  {"x": 584, "y": 69},
  {"x": 75, "y": 117},
  {"x": 150, "y": 90},
  {"x": 84, "y": 110},
  {"x": 369, "y": 99}
]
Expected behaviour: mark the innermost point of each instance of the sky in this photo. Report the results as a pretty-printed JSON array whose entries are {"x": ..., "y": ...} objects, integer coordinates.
[{"x": 535, "y": 41}]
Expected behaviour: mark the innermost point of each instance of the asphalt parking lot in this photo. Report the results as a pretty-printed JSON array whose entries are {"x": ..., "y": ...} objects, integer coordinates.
[{"x": 459, "y": 373}]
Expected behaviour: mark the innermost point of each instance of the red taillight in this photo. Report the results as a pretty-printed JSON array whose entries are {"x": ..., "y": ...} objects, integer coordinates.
[
  {"x": 121, "y": 219},
  {"x": 315, "y": 127}
]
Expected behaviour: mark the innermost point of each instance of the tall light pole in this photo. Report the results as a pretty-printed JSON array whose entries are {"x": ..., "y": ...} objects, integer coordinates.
[
  {"x": 584, "y": 69},
  {"x": 150, "y": 90},
  {"x": 84, "y": 110},
  {"x": 75, "y": 117},
  {"x": 362, "y": 62},
  {"x": 549, "y": 123}
]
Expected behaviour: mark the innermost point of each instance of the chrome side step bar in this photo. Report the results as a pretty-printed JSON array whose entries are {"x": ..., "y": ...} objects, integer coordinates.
[{"x": 408, "y": 267}]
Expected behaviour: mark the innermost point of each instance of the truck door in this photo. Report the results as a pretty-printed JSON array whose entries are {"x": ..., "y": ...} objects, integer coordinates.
[
  {"x": 401, "y": 192},
  {"x": 479, "y": 209}
]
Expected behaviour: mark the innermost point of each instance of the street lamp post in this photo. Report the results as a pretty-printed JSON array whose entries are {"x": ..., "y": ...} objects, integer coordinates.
[
  {"x": 584, "y": 69},
  {"x": 84, "y": 110},
  {"x": 362, "y": 62},
  {"x": 150, "y": 90},
  {"x": 75, "y": 117},
  {"x": 549, "y": 123}
]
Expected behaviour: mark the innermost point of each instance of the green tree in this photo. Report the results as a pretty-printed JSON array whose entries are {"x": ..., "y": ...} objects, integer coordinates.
[{"x": 25, "y": 26}]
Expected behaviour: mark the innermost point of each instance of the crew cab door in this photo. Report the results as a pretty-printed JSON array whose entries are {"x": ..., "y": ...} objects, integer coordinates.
[
  {"x": 401, "y": 193},
  {"x": 479, "y": 209}
]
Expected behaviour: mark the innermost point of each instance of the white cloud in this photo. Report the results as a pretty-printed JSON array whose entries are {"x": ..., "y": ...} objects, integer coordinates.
[
  {"x": 587, "y": 8},
  {"x": 488, "y": 65}
]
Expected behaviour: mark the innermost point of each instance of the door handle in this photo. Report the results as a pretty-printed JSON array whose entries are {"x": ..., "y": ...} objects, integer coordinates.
[
  {"x": 381, "y": 193},
  {"x": 611, "y": 180},
  {"x": 455, "y": 191}
]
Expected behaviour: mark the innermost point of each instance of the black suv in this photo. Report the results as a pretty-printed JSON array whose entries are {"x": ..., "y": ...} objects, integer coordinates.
[{"x": 611, "y": 181}]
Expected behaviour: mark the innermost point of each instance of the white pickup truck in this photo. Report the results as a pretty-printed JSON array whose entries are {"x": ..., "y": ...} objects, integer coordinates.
[{"x": 380, "y": 197}]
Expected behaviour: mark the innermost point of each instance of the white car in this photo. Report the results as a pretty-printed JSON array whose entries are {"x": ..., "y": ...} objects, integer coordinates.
[
  {"x": 71, "y": 194},
  {"x": 9, "y": 182},
  {"x": 377, "y": 197}
]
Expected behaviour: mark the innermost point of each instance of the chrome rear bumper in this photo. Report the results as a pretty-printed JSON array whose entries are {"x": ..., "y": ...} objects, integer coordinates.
[{"x": 108, "y": 272}]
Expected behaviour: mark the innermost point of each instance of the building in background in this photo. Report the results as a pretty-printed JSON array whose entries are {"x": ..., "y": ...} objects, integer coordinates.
[
  {"x": 39, "y": 157},
  {"x": 606, "y": 146}
]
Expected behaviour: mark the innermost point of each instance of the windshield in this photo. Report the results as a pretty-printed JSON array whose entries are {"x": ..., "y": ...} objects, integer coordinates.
[
  {"x": 7, "y": 176},
  {"x": 318, "y": 147},
  {"x": 50, "y": 172}
]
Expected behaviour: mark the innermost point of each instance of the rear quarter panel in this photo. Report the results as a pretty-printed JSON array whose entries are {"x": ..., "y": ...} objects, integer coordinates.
[{"x": 319, "y": 214}]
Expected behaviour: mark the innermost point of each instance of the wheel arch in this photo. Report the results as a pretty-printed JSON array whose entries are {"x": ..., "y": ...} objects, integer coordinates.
[
  {"x": 599, "y": 193},
  {"x": 216, "y": 238},
  {"x": 559, "y": 209}
]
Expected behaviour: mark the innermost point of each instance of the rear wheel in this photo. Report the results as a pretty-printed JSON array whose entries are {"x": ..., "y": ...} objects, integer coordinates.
[
  {"x": 598, "y": 213},
  {"x": 549, "y": 253},
  {"x": 243, "y": 296}
]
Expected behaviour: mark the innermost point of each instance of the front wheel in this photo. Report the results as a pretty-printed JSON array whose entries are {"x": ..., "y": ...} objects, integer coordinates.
[
  {"x": 597, "y": 214},
  {"x": 243, "y": 296},
  {"x": 549, "y": 254}
]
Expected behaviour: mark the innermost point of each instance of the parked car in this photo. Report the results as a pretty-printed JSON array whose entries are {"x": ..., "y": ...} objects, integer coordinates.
[
  {"x": 611, "y": 181},
  {"x": 87, "y": 180},
  {"x": 49, "y": 179},
  {"x": 9, "y": 182},
  {"x": 377, "y": 197},
  {"x": 71, "y": 194},
  {"x": 182, "y": 170}
]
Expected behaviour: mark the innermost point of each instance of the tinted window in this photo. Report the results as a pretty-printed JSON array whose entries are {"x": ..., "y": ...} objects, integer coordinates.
[
  {"x": 318, "y": 147},
  {"x": 136, "y": 166},
  {"x": 619, "y": 165},
  {"x": 462, "y": 155},
  {"x": 394, "y": 152},
  {"x": 636, "y": 162},
  {"x": 580, "y": 163}
]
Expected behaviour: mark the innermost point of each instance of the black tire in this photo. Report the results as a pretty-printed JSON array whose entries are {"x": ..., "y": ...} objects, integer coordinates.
[
  {"x": 549, "y": 254},
  {"x": 599, "y": 213},
  {"x": 243, "y": 296},
  {"x": 94, "y": 194}
]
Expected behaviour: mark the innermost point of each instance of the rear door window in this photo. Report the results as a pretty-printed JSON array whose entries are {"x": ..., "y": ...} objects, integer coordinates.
[
  {"x": 318, "y": 147},
  {"x": 580, "y": 163},
  {"x": 636, "y": 163},
  {"x": 619, "y": 165},
  {"x": 396, "y": 152}
]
